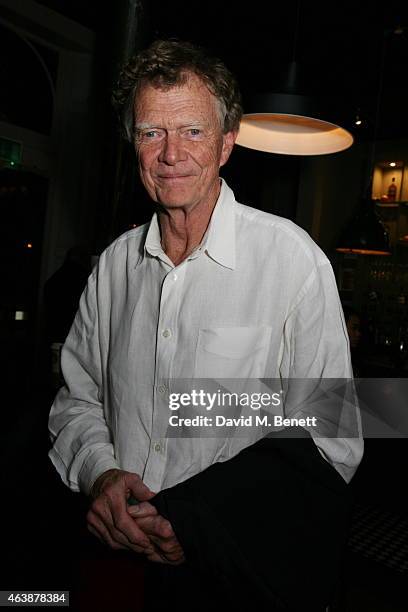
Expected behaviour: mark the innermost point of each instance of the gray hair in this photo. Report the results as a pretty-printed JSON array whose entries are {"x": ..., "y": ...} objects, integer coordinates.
[{"x": 167, "y": 63}]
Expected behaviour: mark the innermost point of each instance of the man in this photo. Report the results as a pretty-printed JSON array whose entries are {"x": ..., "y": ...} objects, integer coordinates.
[
  {"x": 353, "y": 324},
  {"x": 208, "y": 289}
]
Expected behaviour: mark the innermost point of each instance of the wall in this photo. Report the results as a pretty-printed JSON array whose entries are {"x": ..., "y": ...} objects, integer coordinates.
[
  {"x": 331, "y": 186},
  {"x": 69, "y": 156}
]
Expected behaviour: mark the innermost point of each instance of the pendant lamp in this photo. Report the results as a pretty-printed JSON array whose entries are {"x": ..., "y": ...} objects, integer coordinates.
[{"x": 289, "y": 122}]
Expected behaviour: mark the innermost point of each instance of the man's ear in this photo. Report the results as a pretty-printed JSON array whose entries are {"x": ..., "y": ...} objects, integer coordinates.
[{"x": 228, "y": 141}]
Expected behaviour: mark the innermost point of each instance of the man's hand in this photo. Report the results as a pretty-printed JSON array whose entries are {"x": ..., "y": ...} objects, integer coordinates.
[
  {"x": 108, "y": 517},
  {"x": 167, "y": 548}
]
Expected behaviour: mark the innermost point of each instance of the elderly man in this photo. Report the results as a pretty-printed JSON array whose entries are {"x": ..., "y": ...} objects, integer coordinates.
[{"x": 210, "y": 288}]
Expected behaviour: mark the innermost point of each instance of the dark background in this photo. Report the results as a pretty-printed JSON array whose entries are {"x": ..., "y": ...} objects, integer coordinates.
[{"x": 341, "y": 50}]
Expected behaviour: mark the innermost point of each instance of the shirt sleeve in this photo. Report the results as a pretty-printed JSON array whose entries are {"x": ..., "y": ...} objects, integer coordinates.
[
  {"x": 82, "y": 441},
  {"x": 316, "y": 361}
]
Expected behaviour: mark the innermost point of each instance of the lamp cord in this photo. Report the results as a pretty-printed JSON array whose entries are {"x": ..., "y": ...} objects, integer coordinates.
[
  {"x": 296, "y": 34},
  {"x": 397, "y": 30},
  {"x": 377, "y": 111}
]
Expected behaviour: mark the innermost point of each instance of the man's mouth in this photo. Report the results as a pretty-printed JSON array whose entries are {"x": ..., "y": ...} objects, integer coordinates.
[{"x": 173, "y": 177}]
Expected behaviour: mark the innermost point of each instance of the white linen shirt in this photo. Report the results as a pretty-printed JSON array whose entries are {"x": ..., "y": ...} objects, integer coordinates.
[{"x": 257, "y": 299}]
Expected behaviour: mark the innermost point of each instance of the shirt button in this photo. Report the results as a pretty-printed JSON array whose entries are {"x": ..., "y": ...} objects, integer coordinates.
[
  {"x": 175, "y": 277},
  {"x": 157, "y": 448},
  {"x": 162, "y": 389},
  {"x": 166, "y": 333}
]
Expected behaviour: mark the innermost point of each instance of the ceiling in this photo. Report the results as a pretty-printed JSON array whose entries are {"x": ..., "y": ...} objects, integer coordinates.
[{"x": 339, "y": 46}]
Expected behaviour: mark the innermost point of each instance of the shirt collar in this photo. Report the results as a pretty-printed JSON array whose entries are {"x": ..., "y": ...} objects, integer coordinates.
[
  {"x": 152, "y": 243},
  {"x": 219, "y": 239},
  {"x": 220, "y": 235}
]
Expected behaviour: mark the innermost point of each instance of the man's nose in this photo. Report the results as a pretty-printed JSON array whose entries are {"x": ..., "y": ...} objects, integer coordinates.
[{"x": 172, "y": 150}]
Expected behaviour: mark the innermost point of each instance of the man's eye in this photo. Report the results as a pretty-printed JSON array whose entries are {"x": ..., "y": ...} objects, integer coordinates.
[
  {"x": 150, "y": 135},
  {"x": 193, "y": 133}
]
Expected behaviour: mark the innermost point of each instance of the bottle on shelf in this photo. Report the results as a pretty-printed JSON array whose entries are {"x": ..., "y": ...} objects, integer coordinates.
[{"x": 392, "y": 191}]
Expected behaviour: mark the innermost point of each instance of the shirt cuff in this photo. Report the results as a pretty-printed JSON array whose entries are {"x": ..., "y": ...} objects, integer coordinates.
[{"x": 95, "y": 465}]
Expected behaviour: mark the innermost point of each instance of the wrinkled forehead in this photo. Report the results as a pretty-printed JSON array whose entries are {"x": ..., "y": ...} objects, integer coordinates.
[{"x": 191, "y": 94}]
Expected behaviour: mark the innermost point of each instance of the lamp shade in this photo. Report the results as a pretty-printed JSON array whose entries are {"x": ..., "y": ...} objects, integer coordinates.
[
  {"x": 365, "y": 235},
  {"x": 292, "y": 134},
  {"x": 290, "y": 123}
]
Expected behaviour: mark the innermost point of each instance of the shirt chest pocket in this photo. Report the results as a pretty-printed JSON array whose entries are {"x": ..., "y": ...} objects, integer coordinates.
[{"x": 232, "y": 352}]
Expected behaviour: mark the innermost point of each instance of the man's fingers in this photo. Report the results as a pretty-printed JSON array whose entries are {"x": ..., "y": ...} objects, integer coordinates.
[
  {"x": 170, "y": 549},
  {"x": 114, "y": 508},
  {"x": 174, "y": 558},
  {"x": 137, "y": 527},
  {"x": 157, "y": 557},
  {"x": 109, "y": 515},
  {"x": 113, "y": 516},
  {"x": 161, "y": 534},
  {"x": 127, "y": 482},
  {"x": 137, "y": 487},
  {"x": 142, "y": 510},
  {"x": 156, "y": 526},
  {"x": 125, "y": 525},
  {"x": 99, "y": 530}
]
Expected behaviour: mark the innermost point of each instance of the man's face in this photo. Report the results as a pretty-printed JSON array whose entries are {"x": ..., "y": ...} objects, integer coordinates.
[
  {"x": 354, "y": 332},
  {"x": 180, "y": 144}
]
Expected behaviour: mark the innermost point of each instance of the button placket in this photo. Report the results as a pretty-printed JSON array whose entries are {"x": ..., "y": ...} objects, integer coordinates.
[
  {"x": 167, "y": 336},
  {"x": 165, "y": 350}
]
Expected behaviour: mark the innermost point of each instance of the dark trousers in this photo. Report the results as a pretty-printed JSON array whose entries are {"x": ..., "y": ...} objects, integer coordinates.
[{"x": 264, "y": 530}]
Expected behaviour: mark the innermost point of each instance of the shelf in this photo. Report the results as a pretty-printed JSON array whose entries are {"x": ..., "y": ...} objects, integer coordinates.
[
  {"x": 390, "y": 205},
  {"x": 388, "y": 183}
]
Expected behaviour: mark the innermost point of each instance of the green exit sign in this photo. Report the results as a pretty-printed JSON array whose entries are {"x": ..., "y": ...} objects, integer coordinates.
[{"x": 10, "y": 151}]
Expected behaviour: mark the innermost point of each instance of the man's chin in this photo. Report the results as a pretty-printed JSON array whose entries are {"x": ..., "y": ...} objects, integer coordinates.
[
  {"x": 170, "y": 204},
  {"x": 170, "y": 199}
]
